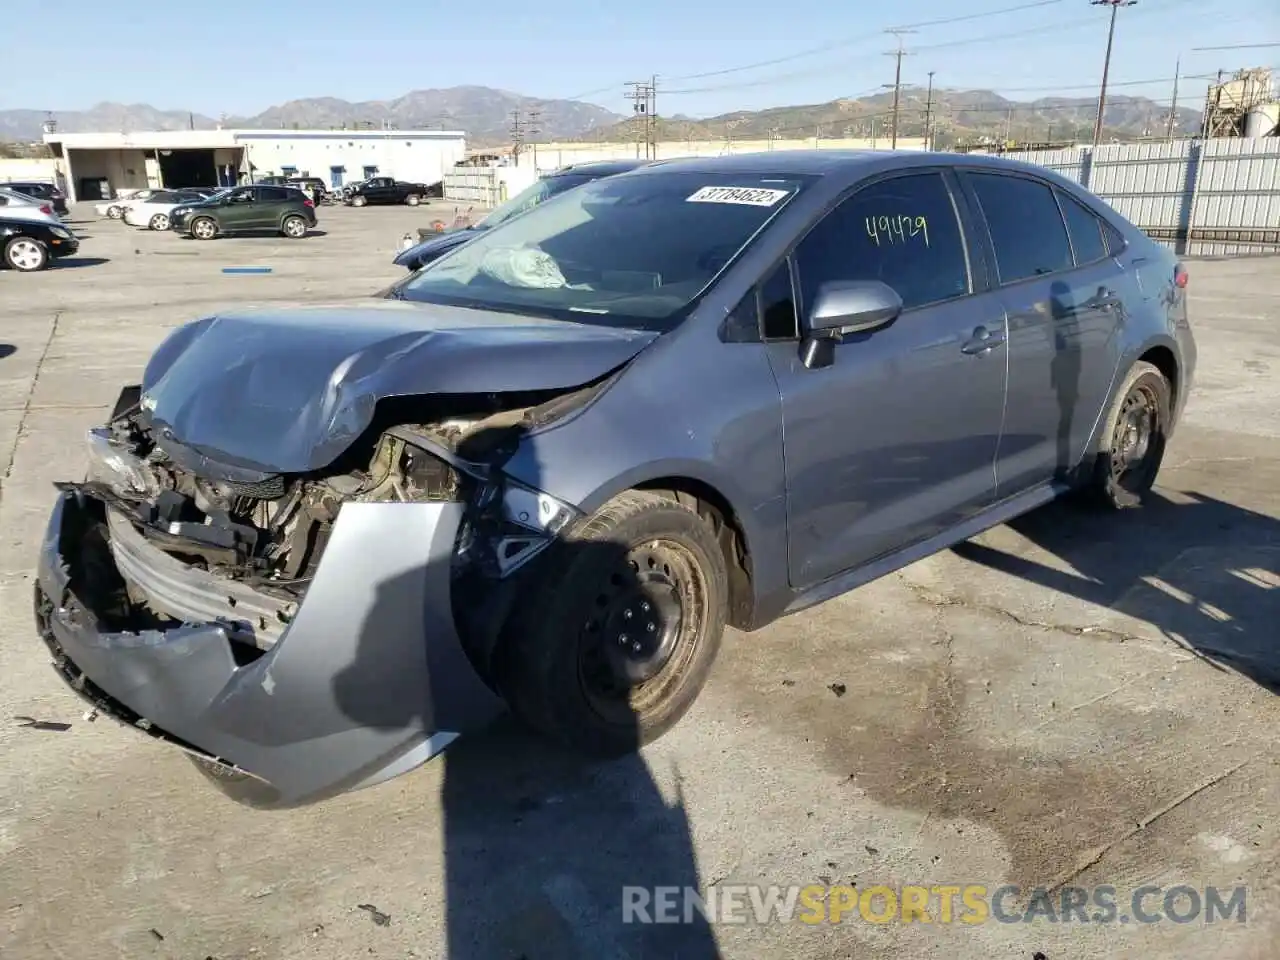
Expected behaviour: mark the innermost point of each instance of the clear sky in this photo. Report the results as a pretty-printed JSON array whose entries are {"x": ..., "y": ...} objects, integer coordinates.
[{"x": 710, "y": 56}]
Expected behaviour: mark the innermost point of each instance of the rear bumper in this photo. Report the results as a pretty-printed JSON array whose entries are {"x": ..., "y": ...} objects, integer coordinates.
[{"x": 368, "y": 680}]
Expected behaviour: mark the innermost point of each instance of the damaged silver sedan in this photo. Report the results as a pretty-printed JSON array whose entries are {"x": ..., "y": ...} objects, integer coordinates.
[{"x": 317, "y": 545}]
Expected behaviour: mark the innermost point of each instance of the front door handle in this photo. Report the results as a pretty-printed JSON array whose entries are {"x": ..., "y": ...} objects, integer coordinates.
[{"x": 982, "y": 342}]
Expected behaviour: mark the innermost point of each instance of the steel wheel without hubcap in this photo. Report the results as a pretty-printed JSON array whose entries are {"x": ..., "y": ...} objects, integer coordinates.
[
  {"x": 412, "y": 200},
  {"x": 25, "y": 255},
  {"x": 647, "y": 622},
  {"x": 1131, "y": 458},
  {"x": 160, "y": 222},
  {"x": 204, "y": 229},
  {"x": 295, "y": 227},
  {"x": 358, "y": 201}
]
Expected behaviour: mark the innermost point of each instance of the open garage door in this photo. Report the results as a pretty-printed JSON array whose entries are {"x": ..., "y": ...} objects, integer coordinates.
[{"x": 188, "y": 168}]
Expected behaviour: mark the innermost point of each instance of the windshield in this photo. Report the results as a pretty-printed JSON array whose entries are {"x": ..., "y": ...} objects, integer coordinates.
[
  {"x": 620, "y": 251},
  {"x": 528, "y": 198}
]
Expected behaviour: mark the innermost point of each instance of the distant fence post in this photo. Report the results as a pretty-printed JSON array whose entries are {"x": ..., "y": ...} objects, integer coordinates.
[
  {"x": 1190, "y": 188},
  {"x": 1086, "y": 166}
]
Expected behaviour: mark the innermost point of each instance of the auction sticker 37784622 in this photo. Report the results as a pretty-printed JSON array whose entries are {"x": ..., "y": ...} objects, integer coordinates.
[{"x": 752, "y": 196}]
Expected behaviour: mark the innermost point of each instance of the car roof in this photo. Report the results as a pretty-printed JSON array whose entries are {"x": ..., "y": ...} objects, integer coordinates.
[
  {"x": 847, "y": 164},
  {"x": 600, "y": 168}
]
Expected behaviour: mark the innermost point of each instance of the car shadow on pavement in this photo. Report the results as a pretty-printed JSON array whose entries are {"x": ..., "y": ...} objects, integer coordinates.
[
  {"x": 1205, "y": 573},
  {"x": 540, "y": 844},
  {"x": 7, "y": 350},
  {"x": 70, "y": 263}
]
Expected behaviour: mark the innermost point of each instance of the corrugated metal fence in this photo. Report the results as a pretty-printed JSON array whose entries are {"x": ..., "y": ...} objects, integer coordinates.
[{"x": 1204, "y": 198}]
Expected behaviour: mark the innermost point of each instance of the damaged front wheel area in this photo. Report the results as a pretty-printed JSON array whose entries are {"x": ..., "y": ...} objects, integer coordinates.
[{"x": 612, "y": 643}]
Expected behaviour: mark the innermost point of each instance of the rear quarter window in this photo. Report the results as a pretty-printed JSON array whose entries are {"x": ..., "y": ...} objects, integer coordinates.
[{"x": 1085, "y": 230}]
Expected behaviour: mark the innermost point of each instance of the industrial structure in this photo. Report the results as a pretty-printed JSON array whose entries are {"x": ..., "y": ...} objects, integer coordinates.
[
  {"x": 1246, "y": 105},
  {"x": 94, "y": 166}
]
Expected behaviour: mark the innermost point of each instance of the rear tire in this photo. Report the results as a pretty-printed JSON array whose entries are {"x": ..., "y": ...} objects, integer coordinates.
[
  {"x": 294, "y": 227},
  {"x": 26, "y": 255},
  {"x": 158, "y": 222},
  {"x": 204, "y": 228},
  {"x": 358, "y": 201},
  {"x": 413, "y": 199},
  {"x": 1130, "y": 446},
  {"x": 609, "y": 647},
  {"x": 114, "y": 213}
]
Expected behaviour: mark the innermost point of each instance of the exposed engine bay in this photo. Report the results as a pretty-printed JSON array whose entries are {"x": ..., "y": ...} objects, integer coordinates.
[{"x": 194, "y": 546}]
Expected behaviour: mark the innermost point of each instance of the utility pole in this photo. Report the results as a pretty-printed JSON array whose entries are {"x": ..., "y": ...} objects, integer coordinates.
[
  {"x": 642, "y": 101},
  {"x": 1173, "y": 103},
  {"x": 928, "y": 114},
  {"x": 897, "y": 79},
  {"x": 532, "y": 128},
  {"x": 1115, "y": 5},
  {"x": 652, "y": 152},
  {"x": 517, "y": 134}
]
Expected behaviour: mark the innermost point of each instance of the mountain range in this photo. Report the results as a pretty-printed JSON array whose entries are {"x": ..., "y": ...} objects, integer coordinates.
[
  {"x": 953, "y": 116},
  {"x": 483, "y": 113},
  {"x": 486, "y": 116}
]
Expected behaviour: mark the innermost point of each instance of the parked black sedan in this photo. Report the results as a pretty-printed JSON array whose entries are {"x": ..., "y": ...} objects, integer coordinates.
[{"x": 29, "y": 245}]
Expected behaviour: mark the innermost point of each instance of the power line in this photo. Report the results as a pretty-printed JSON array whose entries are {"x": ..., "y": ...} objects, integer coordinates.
[
  {"x": 864, "y": 38},
  {"x": 1057, "y": 27}
]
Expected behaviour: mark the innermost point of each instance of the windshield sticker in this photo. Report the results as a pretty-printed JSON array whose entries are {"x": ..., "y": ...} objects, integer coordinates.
[
  {"x": 897, "y": 229},
  {"x": 751, "y": 196}
]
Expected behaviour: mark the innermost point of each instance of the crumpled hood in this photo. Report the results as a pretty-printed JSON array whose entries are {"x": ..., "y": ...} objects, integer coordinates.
[
  {"x": 288, "y": 390},
  {"x": 434, "y": 247}
]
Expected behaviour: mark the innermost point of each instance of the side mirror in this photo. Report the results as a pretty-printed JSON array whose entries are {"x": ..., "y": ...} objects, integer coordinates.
[{"x": 843, "y": 308}]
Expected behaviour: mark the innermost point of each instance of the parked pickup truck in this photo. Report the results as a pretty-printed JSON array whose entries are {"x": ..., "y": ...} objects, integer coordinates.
[{"x": 387, "y": 190}]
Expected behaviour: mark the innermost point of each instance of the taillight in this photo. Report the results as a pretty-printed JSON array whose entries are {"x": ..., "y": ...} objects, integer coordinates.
[
  {"x": 308, "y": 203},
  {"x": 1180, "y": 277},
  {"x": 46, "y": 210}
]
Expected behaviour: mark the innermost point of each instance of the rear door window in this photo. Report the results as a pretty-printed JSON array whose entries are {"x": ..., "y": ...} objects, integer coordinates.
[
  {"x": 903, "y": 231},
  {"x": 1026, "y": 226}
]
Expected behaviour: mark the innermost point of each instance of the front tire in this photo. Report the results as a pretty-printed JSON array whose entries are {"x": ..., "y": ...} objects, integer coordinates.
[
  {"x": 204, "y": 228},
  {"x": 1130, "y": 447},
  {"x": 26, "y": 255},
  {"x": 159, "y": 222},
  {"x": 610, "y": 646}
]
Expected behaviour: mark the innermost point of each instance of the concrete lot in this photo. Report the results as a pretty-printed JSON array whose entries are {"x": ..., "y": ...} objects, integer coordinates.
[{"x": 1073, "y": 699}]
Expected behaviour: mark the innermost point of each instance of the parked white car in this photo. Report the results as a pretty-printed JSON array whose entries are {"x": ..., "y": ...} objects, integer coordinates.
[
  {"x": 22, "y": 206},
  {"x": 114, "y": 209},
  {"x": 153, "y": 212}
]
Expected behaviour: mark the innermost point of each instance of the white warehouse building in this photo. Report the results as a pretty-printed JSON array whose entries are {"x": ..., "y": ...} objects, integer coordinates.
[{"x": 95, "y": 166}]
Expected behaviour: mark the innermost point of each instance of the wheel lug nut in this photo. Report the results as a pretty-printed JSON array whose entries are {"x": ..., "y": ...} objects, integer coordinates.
[
  {"x": 650, "y": 627},
  {"x": 626, "y": 614},
  {"x": 635, "y": 648},
  {"x": 623, "y": 638}
]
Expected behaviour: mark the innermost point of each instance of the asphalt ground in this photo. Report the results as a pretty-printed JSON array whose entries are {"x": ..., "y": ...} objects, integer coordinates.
[{"x": 1072, "y": 701}]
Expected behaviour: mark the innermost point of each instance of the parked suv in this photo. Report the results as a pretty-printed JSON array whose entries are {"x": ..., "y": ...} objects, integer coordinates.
[
  {"x": 41, "y": 190},
  {"x": 245, "y": 210},
  {"x": 316, "y": 541}
]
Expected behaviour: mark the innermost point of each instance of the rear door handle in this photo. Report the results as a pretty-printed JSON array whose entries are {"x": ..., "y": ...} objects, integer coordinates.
[{"x": 982, "y": 342}]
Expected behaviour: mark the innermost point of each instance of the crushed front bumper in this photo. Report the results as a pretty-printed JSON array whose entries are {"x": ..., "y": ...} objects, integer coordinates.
[{"x": 368, "y": 681}]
